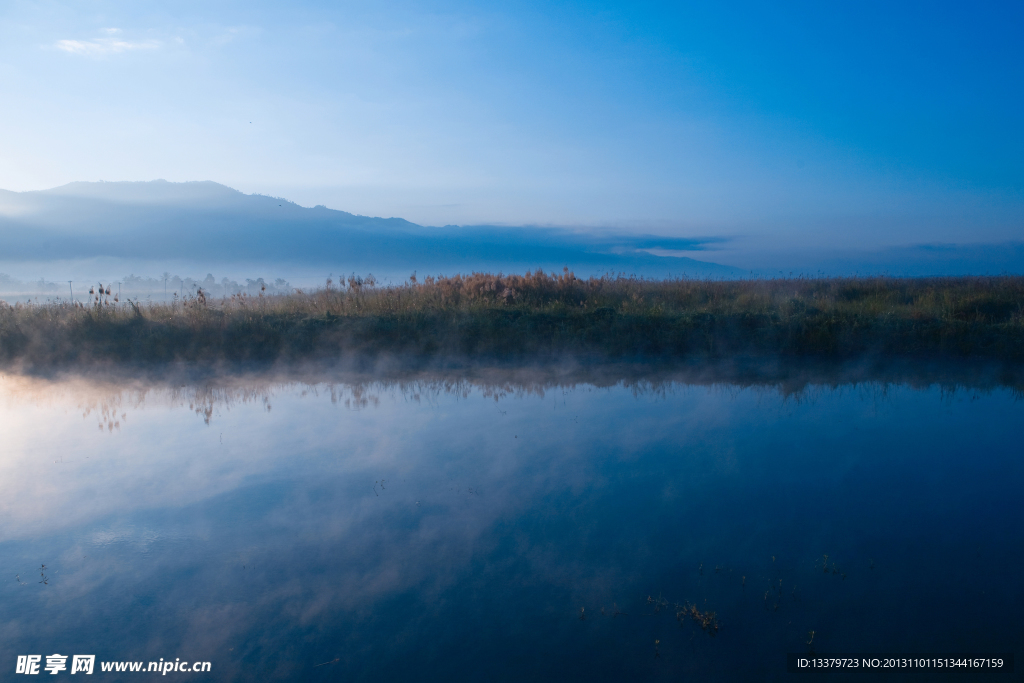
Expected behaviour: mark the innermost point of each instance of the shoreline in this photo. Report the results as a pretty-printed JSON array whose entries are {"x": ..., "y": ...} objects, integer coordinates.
[
  {"x": 788, "y": 375},
  {"x": 493, "y": 319}
]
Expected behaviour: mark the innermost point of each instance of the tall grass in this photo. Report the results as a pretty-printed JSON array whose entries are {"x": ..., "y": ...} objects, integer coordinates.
[{"x": 517, "y": 316}]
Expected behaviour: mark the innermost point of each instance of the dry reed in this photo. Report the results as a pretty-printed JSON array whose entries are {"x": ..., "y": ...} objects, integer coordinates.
[{"x": 516, "y": 316}]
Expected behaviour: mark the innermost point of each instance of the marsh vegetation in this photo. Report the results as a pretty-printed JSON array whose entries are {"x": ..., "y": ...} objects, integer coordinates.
[{"x": 510, "y": 317}]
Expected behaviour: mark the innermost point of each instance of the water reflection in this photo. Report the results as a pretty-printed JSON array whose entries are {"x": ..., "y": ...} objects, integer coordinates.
[{"x": 506, "y": 525}]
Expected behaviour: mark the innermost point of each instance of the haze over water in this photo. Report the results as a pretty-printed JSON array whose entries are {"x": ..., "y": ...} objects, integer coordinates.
[{"x": 456, "y": 530}]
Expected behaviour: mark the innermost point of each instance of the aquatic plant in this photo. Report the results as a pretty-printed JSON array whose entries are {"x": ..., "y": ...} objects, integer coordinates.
[{"x": 707, "y": 620}]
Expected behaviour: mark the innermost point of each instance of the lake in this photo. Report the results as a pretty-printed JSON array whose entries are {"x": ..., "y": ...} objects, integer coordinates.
[{"x": 447, "y": 528}]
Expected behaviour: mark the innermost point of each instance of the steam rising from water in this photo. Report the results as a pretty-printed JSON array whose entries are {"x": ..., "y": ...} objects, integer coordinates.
[{"x": 237, "y": 518}]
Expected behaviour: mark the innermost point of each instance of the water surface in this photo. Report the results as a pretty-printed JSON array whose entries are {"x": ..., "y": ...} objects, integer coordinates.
[{"x": 447, "y": 530}]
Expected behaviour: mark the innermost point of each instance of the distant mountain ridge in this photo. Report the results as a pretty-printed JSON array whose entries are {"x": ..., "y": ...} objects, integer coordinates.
[
  {"x": 206, "y": 221},
  {"x": 99, "y": 199}
]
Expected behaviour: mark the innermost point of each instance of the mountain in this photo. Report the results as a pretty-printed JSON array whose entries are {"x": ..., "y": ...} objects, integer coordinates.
[{"x": 205, "y": 222}]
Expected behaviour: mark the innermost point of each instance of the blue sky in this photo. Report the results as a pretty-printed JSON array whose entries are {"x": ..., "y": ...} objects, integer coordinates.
[{"x": 842, "y": 125}]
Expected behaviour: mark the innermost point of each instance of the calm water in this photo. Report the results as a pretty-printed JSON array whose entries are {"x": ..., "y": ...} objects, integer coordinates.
[{"x": 431, "y": 531}]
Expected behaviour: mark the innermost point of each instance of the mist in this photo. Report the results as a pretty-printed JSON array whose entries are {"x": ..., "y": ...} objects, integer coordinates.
[
  {"x": 163, "y": 234},
  {"x": 90, "y": 230}
]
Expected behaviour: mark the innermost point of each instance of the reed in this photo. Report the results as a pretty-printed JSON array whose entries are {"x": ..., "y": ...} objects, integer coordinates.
[{"x": 507, "y": 317}]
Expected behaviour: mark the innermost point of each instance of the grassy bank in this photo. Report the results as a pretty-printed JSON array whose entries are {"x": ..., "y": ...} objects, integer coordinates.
[{"x": 516, "y": 317}]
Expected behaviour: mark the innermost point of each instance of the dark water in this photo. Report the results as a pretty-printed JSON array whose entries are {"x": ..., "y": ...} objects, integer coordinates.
[{"x": 432, "y": 531}]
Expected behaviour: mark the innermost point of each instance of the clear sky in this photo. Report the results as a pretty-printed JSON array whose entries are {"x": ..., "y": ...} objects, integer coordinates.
[{"x": 813, "y": 123}]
